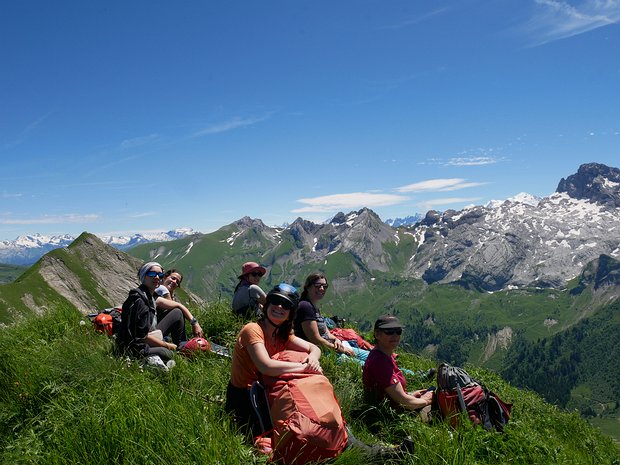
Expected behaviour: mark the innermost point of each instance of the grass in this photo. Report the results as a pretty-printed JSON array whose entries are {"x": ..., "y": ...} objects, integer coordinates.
[{"x": 64, "y": 399}]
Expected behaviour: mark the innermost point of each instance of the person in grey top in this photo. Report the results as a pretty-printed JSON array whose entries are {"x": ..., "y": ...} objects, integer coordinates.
[{"x": 249, "y": 298}]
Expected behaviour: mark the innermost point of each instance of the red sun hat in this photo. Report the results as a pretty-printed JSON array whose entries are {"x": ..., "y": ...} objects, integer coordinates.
[{"x": 249, "y": 267}]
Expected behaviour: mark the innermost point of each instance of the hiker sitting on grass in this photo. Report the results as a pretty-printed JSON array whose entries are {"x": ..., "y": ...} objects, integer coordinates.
[
  {"x": 311, "y": 325},
  {"x": 256, "y": 344},
  {"x": 141, "y": 333},
  {"x": 166, "y": 302},
  {"x": 381, "y": 376},
  {"x": 249, "y": 299}
]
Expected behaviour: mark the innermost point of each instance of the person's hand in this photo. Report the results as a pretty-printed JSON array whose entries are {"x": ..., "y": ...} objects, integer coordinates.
[
  {"x": 347, "y": 350},
  {"x": 171, "y": 346},
  {"x": 197, "y": 330},
  {"x": 428, "y": 397},
  {"x": 313, "y": 365}
]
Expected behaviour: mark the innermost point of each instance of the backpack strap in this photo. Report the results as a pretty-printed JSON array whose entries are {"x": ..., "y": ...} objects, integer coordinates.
[
  {"x": 260, "y": 404},
  {"x": 459, "y": 394}
]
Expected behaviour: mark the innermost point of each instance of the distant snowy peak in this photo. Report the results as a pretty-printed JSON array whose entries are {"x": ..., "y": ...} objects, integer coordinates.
[
  {"x": 406, "y": 221},
  {"x": 521, "y": 197},
  {"x": 37, "y": 240},
  {"x": 25, "y": 250},
  {"x": 126, "y": 242}
]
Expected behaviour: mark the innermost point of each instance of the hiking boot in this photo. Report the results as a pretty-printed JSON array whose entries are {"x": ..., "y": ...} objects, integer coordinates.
[{"x": 155, "y": 362}]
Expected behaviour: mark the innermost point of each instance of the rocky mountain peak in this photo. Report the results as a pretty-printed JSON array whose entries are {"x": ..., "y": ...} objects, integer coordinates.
[
  {"x": 246, "y": 223},
  {"x": 595, "y": 182}
]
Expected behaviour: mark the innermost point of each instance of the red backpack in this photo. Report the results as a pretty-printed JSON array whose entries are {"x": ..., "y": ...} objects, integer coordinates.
[
  {"x": 107, "y": 321},
  {"x": 305, "y": 414},
  {"x": 458, "y": 392}
]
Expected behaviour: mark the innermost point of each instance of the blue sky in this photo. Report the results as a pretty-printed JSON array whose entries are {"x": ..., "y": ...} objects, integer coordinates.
[{"x": 138, "y": 116}]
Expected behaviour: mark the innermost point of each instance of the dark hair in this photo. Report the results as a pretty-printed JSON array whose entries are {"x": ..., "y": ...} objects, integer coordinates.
[
  {"x": 172, "y": 270},
  {"x": 310, "y": 280},
  {"x": 286, "y": 328},
  {"x": 242, "y": 279}
]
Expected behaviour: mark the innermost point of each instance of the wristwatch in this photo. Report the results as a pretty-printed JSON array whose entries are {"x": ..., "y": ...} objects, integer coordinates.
[{"x": 193, "y": 321}]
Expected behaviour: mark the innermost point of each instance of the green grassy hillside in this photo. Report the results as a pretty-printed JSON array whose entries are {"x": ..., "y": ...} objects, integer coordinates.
[
  {"x": 65, "y": 400},
  {"x": 9, "y": 273},
  {"x": 577, "y": 368}
]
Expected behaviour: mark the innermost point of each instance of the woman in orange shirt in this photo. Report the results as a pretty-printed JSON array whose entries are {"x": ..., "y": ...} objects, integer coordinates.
[{"x": 257, "y": 343}]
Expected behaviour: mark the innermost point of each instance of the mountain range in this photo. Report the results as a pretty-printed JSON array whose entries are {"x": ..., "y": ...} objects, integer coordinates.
[{"x": 27, "y": 249}]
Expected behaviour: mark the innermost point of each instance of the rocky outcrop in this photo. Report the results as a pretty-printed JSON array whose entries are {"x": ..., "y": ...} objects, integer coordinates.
[
  {"x": 595, "y": 182},
  {"x": 110, "y": 274}
]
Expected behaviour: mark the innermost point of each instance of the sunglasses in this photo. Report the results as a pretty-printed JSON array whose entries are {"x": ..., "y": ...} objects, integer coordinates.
[
  {"x": 257, "y": 273},
  {"x": 281, "y": 301},
  {"x": 152, "y": 274},
  {"x": 393, "y": 331},
  {"x": 321, "y": 285}
]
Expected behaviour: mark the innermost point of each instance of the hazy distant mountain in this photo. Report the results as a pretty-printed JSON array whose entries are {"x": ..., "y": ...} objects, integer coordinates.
[
  {"x": 406, "y": 221},
  {"x": 25, "y": 250},
  {"x": 126, "y": 242}
]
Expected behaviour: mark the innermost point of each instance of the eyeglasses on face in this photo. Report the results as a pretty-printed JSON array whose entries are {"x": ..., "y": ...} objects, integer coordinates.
[
  {"x": 321, "y": 285},
  {"x": 152, "y": 274},
  {"x": 392, "y": 331},
  {"x": 257, "y": 273},
  {"x": 281, "y": 301}
]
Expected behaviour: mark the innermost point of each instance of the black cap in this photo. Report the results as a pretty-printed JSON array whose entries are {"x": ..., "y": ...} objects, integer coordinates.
[{"x": 387, "y": 322}]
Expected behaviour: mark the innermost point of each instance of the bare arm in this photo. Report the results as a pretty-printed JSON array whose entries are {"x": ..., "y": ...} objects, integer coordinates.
[
  {"x": 311, "y": 330},
  {"x": 169, "y": 304},
  {"x": 267, "y": 366},
  {"x": 314, "y": 353},
  {"x": 414, "y": 401}
]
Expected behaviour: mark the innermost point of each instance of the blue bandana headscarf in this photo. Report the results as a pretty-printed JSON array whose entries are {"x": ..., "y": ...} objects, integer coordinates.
[{"x": 146, "y": 267}]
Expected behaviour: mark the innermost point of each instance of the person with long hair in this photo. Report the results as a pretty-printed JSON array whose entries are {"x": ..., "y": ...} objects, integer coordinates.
[
  {"x": 381, "y": 376},
  {"x": 166, "y": 302},
  {"x": 257, "y": 343},
  {"x": 310, "y": 323},
  {"x": 248, "y": 298}
]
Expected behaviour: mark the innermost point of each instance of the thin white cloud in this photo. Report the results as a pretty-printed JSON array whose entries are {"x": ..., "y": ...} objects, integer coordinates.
[
  {"x": 54, "y": 219},
  {"x": 472, "y": 161},
  {"x": 143, "y": 215},
  {"x": 439, "y": 185},
  {"x": 556, "y": 19},
  {"x": 230, "y": 125},
  {"x": 9, "y": 196},
  {"x": 416, "y": 20},
  {"x": 340, "y": 202},
  {"x": 138, "y": 141},
  {"x": 466, "y": 160},
  {"x": 21, "y": 137},
  {"x": 433, "y": 203}
]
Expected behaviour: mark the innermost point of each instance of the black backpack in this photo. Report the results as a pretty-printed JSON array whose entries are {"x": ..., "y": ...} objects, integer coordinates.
[{"x": 458, "y": 392}]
